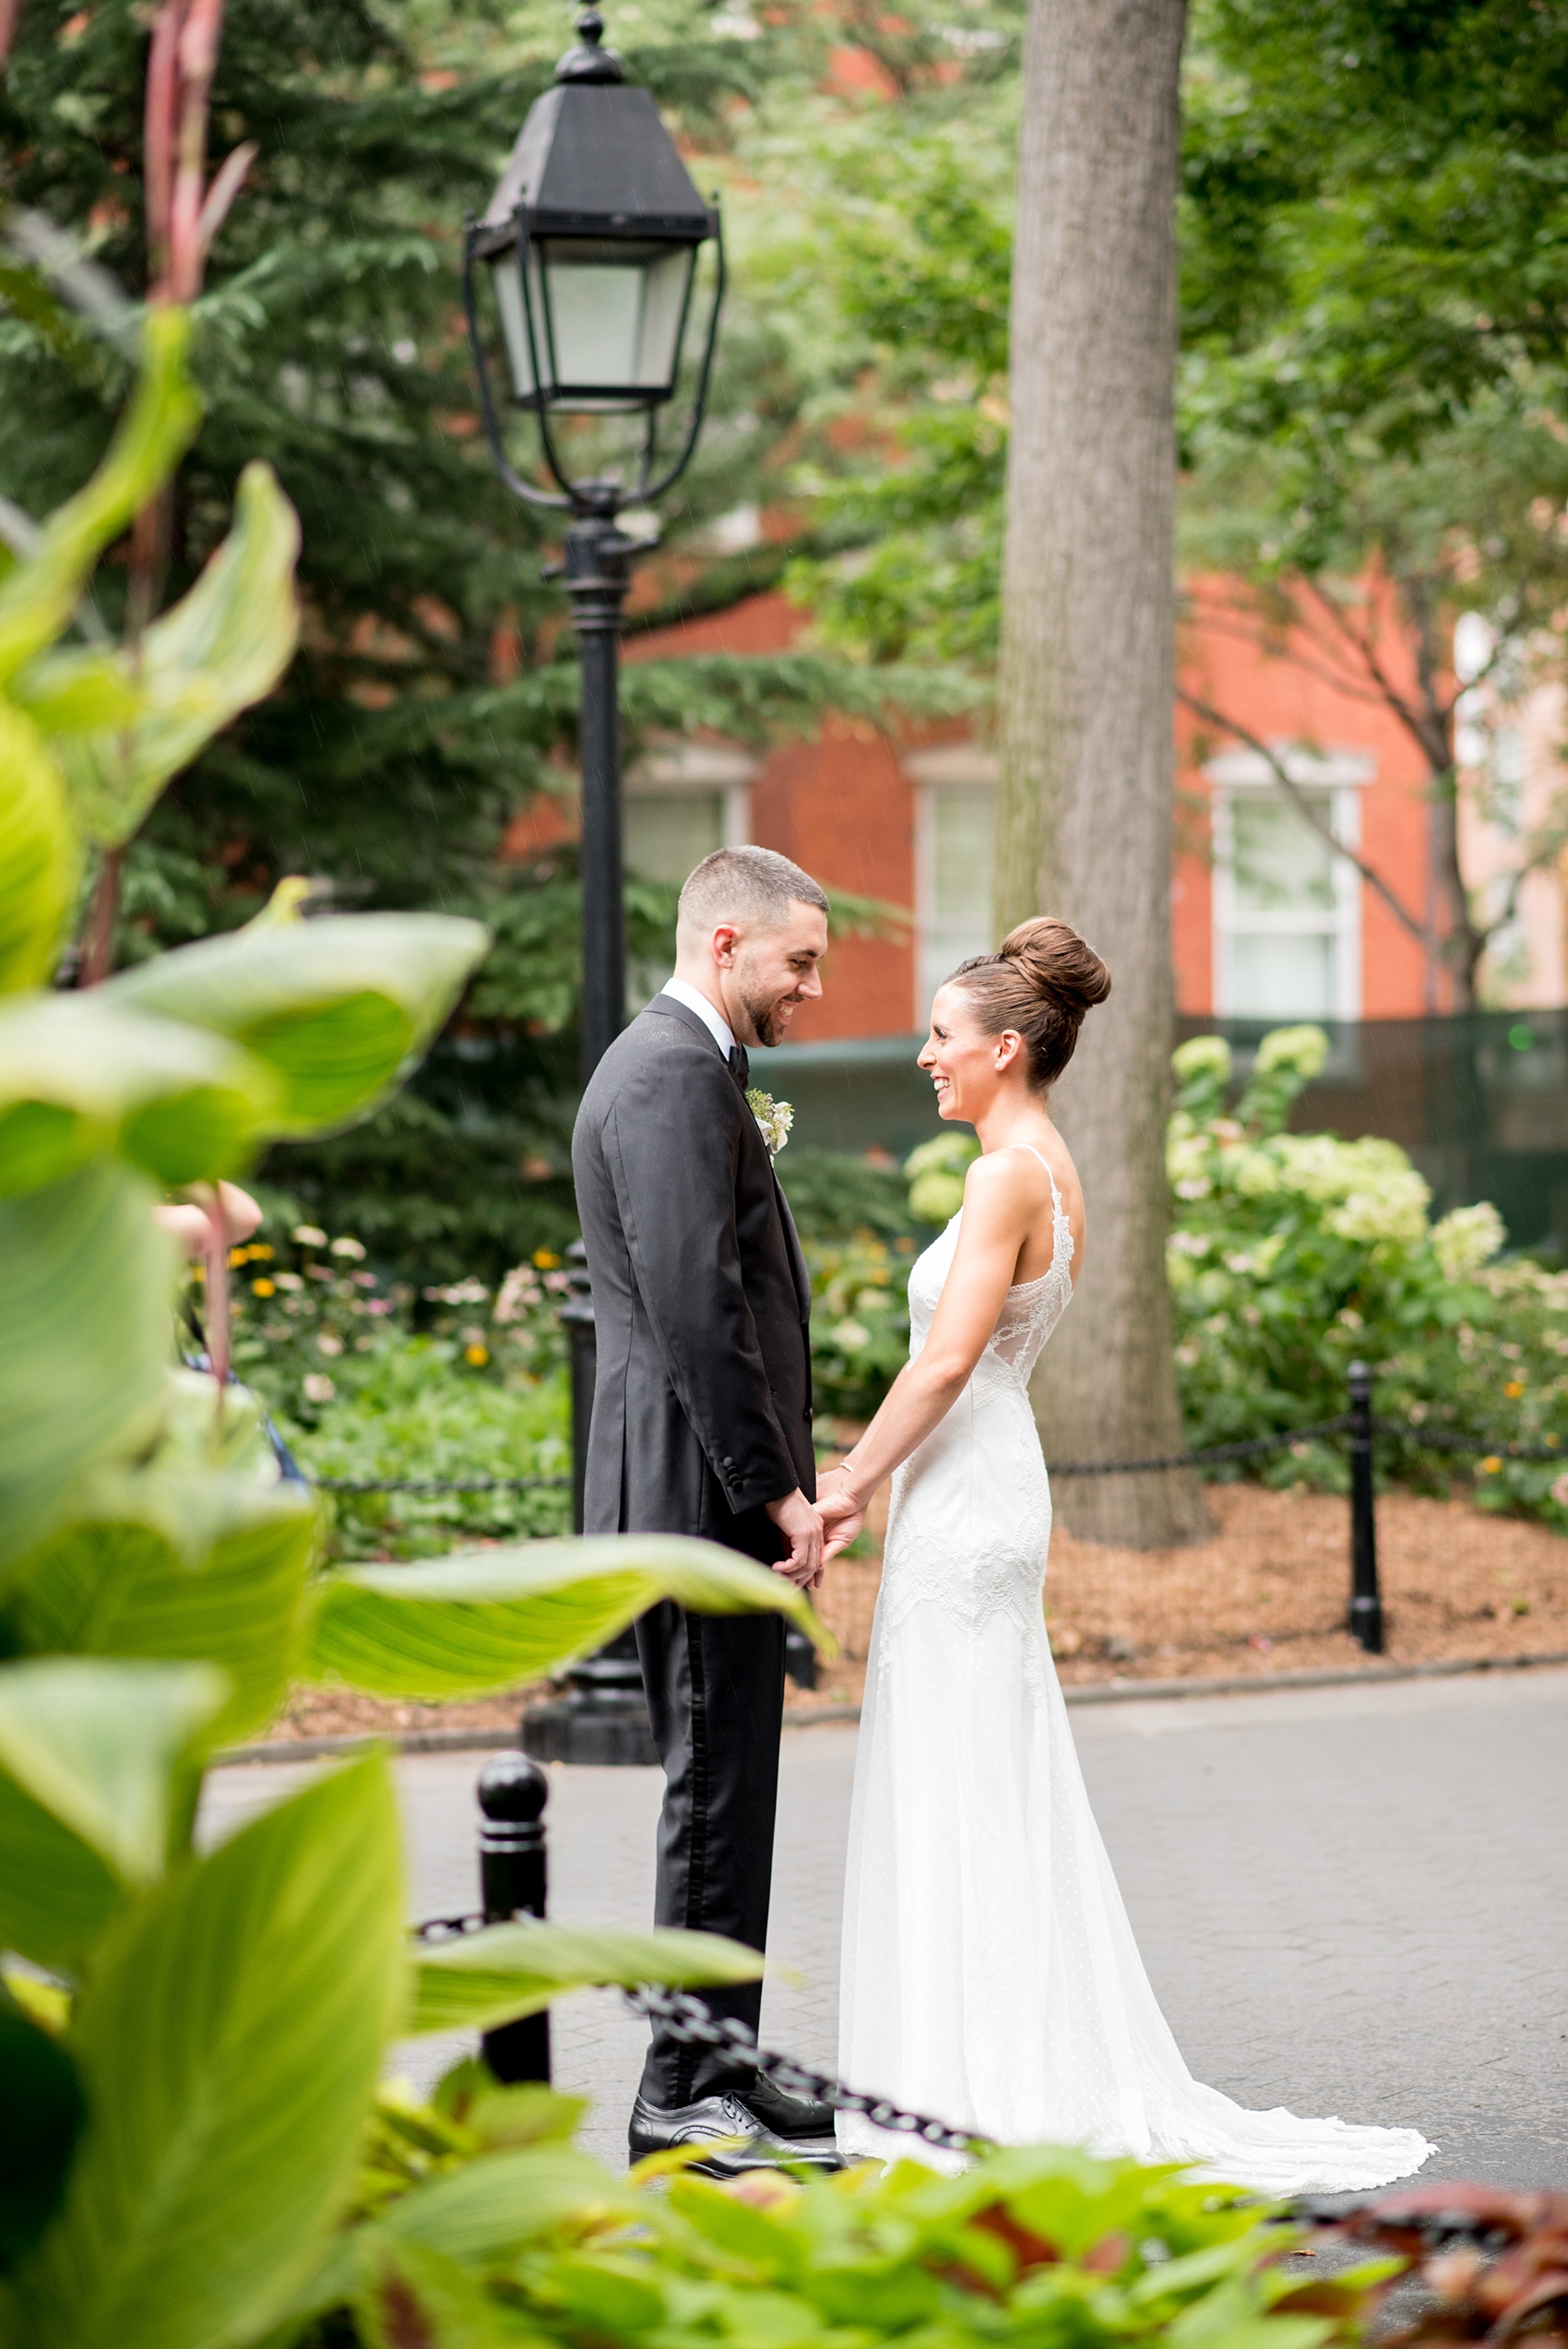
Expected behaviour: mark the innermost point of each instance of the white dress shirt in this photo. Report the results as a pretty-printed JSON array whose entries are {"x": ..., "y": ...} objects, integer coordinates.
[{"x": 714, "y": 1022}]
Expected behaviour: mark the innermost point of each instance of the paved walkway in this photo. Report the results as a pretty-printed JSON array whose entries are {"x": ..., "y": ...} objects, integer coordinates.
[{"x": 1350, "y": 1900}]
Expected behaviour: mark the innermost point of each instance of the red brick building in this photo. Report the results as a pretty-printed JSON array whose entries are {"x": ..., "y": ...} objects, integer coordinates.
[{"x": 1267, "y": 922}]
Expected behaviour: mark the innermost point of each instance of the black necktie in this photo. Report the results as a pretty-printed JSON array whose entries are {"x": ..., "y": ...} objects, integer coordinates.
[{"x": 740, "y": 1066}]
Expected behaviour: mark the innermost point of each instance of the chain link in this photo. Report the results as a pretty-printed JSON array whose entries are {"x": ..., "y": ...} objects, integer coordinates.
[
  {"x": 692, "y": 2024},
  {"x": 1433, "y": 1440},
  {"x": 442, "y": 1484}
]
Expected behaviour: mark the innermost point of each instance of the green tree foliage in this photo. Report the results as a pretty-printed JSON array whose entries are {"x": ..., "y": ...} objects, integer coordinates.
[
  {"x": 436, "y": 689},
  {"x": 1372, "y": 396}
]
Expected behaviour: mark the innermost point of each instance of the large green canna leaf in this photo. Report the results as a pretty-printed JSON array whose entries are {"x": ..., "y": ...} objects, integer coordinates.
[
  {"x": 85, "y": 1273},
  {"x": 171, "y": 1564},
  {"x": 97, "y": 1745},
  {"x": 506, "y": 1971},
  {"x": 39, "y": 859},
  {"x": 56, "y": 1895},
  {"x": 79, "y": 1075},
  {"x": 228, "y": 2041},
  {"x": 336, "y": 1008},
  {"x": 38, "y": 594},
  {"x": 488, "y": 1619},
  {"x": 122, "y": 731},
  {"x": 41, "y": 592}
]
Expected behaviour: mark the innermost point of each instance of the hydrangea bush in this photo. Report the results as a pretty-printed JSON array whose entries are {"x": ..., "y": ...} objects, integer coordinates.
[{"x": 1293, "y": 1255}]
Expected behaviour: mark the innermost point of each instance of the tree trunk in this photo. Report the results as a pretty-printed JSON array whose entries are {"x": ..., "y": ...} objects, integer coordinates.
[{"x": 1087, "y": 697}]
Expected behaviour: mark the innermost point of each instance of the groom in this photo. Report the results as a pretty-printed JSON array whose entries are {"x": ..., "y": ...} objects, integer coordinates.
[{"x": 702, "y": 1425}]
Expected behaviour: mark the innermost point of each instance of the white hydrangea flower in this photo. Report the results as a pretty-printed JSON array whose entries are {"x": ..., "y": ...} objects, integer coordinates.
[
  {"x": 1467, "y": 1238},
  {"x": 1372, "y": 1190}
]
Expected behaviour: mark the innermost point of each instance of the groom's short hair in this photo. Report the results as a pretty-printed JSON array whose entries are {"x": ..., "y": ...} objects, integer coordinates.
[{"x": 754, "y": 888}]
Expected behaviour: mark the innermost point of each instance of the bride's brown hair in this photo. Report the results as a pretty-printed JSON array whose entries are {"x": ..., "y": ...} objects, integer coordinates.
[{"x": 1041, "y": 982}]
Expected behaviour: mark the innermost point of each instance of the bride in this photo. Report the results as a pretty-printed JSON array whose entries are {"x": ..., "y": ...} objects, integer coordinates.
[{"x": 989, "y": 1974}]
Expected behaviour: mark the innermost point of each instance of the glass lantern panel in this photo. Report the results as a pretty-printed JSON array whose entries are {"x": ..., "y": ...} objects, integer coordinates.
[
  {"x": 513, "y": 321},
  {"x": 665, "y": 282},
  {"x": 594, "y": 311}
]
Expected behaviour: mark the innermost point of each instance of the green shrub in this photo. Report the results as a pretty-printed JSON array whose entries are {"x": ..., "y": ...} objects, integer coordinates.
[
  {"x": 860, "y": 1322},
  {"x": 836, "y": 1196},
  {"x": 1293, "y": 1255},
  {"x": 372, "y": 1381},
  {"x": 1045, "y": 2246}
]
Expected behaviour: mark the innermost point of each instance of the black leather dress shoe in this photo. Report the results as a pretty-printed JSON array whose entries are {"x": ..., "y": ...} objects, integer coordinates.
[
  {"x": 657, "y": 2128},
  {"x": 785, "y": 2115}
]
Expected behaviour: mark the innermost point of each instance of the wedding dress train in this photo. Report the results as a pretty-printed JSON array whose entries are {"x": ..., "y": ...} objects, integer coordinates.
[{"x": 989, "y": 1974}]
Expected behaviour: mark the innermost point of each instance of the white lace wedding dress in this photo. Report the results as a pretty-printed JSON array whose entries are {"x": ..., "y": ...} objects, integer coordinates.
[{"x": 990, "y": 1974}]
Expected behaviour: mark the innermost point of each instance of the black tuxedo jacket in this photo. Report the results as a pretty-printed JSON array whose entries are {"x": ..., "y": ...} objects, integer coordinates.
[{"x": 701, "y": 1300}]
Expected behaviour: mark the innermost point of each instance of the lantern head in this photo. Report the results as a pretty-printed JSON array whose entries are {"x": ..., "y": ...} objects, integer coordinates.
[{"x": 592, "y": 238}]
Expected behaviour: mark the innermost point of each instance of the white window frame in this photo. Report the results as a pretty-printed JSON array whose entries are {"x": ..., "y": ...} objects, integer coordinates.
[
  {"x": 677, "y": 771},
  {"x": 1343, "y": 774},
  {"x": 964, "y": 766}
]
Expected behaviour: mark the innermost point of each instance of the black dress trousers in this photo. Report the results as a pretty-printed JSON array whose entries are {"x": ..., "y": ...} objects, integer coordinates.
[{"x": 716, "y": 1699}]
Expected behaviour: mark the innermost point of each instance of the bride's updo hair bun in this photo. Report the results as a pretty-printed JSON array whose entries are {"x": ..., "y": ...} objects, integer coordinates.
[{"x": 1041, "y": 982}]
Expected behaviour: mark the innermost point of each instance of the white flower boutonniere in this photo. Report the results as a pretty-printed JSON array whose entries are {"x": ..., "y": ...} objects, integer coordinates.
[{"x": 774, "y": 1117}]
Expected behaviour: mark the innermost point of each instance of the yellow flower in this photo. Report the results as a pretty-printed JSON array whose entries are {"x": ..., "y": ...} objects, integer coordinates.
[
  {"x": 1513, "y": 1389},
  {"x": 546, "y": 1259},
  {"x": 1492, "y": 1465},
  {"x": 260, "y": 1252},
  {"x": 478, "y": 1355},
  {"x": 263, "y": 1288}
]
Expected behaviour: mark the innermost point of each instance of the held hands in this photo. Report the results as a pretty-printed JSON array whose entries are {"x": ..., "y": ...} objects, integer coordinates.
[
  {"x": 842, "y": 1511},
  {"x": 802, "y": 1527}
]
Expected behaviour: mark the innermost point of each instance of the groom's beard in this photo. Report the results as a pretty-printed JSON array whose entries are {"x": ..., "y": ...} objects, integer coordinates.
[{"x": 768, "y": 1016}]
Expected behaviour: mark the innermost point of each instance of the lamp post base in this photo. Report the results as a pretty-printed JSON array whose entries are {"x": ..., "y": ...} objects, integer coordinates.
[
  {"x": 611, "y": 1731},
  {"x": 603, "y": 1719}
]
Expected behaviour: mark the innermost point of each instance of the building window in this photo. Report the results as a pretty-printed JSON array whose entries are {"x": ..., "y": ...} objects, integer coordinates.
[
  {"x": 954, "y": 863},
  {"x": 1287, "y": 910},
  {"x": 665, "y": 833},
  {"x": 681, "y": 802}
]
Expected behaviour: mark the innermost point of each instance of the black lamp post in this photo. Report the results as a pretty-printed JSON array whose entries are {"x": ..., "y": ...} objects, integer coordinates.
[{"x": 591, "y": 240}]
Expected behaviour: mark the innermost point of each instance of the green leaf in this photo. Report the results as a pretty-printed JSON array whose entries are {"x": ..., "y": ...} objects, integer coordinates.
[
  {"x": 407, "y": 2294},
  {"x": 85, "y": 1274},
  {"x": 39, "y": 593},
  {"x": 489, "y": 1619},
  {"x": 39, "y": 856},
  {"x": 41, "y": 2112},
  {"x": 482, "y": 2215},
  {"x": 338, "y": 1008},
  {"x": 223, "y": 646},
  {"x": 56, "y": 1894},
  {"x": 171, "y": 1564},
  {"x": 97, "y": 1745},
  {"x": 79, "y": 1075},
  {"x": 506, "y": 1971},
  {"x": 230, "y": 2045}
]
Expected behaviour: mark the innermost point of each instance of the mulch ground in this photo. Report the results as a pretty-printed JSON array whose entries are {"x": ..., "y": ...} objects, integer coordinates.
[{"x": 1266, "y": 1595}]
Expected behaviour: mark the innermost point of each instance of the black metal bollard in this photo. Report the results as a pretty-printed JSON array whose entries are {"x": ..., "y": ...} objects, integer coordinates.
[
  {"x": 1366, "y": 1605},
  {"x": 513, "y": 1874}
]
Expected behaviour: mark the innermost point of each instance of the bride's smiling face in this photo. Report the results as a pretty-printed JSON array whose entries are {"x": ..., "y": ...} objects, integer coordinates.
[{"x": 965, "y": 1065}]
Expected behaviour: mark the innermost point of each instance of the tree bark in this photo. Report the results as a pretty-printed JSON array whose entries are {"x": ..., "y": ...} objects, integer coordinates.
[{"x": 1087, "y": 697}]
